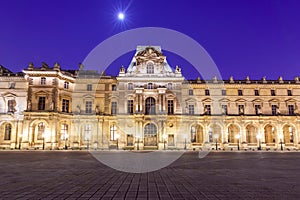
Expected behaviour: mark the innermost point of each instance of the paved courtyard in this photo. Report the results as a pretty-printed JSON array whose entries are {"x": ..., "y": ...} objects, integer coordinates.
[{"x": 220, "y": 175}]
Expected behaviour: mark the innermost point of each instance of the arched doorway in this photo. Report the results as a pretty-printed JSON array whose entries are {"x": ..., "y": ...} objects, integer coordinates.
[
  {"x": 270, "y": 134},
  {"x": 150, "y": 106},
  {"x": 288, "y": 134},
  {"x": 233, "y": 131},
  {"x": 215, "y": 133},
  {"x": 251, "y": 135},
  {"x": 150, "y": 135},
  {"x": 196, "y": 134}
]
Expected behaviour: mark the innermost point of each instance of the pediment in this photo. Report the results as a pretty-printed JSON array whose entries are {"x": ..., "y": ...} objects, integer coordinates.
[
  {"x": 9, "y": 95},
  {"x": 257, "y": 100},
  {"x": 274, "y": 100},
  {"x": 224, "y": 100},
  {"x": 240, "y": 100}
]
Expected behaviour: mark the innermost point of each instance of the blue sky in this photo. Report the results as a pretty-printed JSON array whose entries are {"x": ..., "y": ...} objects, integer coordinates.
[{"x": 245, "y": 37}]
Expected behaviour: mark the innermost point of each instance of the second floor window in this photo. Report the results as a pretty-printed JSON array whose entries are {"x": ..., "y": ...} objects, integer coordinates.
[
  {"x": 207, "y": 110},
  {"x": 42, "y": 103},
  {"x": 170, "y": 107},
  {"x": 150, "y": 86},
  {"x": 11, "y": 106},
  {"x": 289, "y": 92},
  {"x": 65, "y": 105},
  {"x": 274, "y": 110},
  {"x": 130, "y": 106},
  {"x": 191, "y": 92},
  {"x": 291, "y": 109},
  {"x": 43, "y": 81},
  {"x": 224, "y": 109},
  {"x": 241, "y": 109},
  {"x": 66, "y": 85},
  {"x": 257, "y": 109},
  {"x": 256, "y": 93},
  {"x": 88, "y": 106},
  {"x": 113, "y": 108},
  {"x": 191, "y": 109}
]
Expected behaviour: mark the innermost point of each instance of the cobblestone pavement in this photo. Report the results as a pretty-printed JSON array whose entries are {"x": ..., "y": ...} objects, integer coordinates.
[{"x": 220, "y": 175}]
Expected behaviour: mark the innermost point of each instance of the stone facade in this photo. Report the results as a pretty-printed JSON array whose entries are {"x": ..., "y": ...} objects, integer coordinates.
[{"x": 148, "y": 105}]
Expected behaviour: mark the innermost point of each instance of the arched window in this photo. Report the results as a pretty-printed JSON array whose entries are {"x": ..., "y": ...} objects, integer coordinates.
[
  {"x": 41, "y": 130},
  {"x": 150, "y": 68},
  {"x": 193, "y": 134},
  {"x": 7, "y": 132},
  {"x": 150, "y": 106},
  {"x": 150, "y": 133},
  {"x": 270, "y": 133},
  {"x": 87, "y": 132}
]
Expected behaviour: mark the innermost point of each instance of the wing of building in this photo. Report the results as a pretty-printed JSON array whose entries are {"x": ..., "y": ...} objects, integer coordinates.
[{"x": 148, "y": 105}]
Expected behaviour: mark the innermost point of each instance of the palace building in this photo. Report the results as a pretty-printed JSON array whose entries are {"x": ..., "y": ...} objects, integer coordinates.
[{"x": 148, "y": 105}]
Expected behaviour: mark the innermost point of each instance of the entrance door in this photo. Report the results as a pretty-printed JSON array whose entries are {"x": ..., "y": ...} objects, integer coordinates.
[{"x": 150, "y": 135}]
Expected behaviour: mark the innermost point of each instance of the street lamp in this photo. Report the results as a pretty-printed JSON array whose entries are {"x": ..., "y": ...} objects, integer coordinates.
[
  {"x": 216, "y": 136},
  {"x": 164, "y": 138},
  {"x": 43, "y": 141},
  {"x": 117, "y": 138},
  {"x": 20, "y": 140},
  {"x": 258, "y": 136},
  {"x": 238, "y": 140},
  {"x": 185, "y": 136},
  {"x": 280, "y": 137}
]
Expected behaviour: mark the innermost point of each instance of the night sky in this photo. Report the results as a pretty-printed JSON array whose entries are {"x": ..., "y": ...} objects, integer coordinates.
[{"x": 256, "y": 37}]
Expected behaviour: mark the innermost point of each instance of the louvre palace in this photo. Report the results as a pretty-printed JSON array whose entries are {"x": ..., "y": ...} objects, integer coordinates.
[{"x": 147, "y": 105}]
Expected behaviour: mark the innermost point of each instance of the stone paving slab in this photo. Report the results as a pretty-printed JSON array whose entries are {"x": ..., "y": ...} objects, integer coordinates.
[{"x": 219, "y": 175}]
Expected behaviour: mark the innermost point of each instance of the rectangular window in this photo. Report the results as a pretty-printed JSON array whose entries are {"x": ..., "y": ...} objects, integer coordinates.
[
  {"x": 130, "y": 86},
  {"x": 207, "y": 110},
  {"x": 88, "y": 106},
  {"x": 114, "y": 87},
  {"x": 223, "y": 92},
  {"x": 89, "y": 87},
  {"x": 113, "y": 132},
  {"x": 170, "y": 107},
  {"x": 129, "y": 140},
  {"x": 241, "y": 109},
  {"x": 224, "y": 109},
  {"x": 66, "y": 85},
  {"x": 130, "y": 106},
  {"x": 42, "y": 103},
  {"x": 11, "y": 106},
  {"x": 65, "y": 105},
  {"x": 170, "y": 87},
  {"x": 191, "y": 92},
  {"x": 272, "y": 92},
  {"x": 43, "y": 81},
  {"x": 274, "y": 110},
  {"x": 289, "y": 92},
  {"x": 12, "y": 85},
  {"x": 113, "y": 108},
  {"x": 171, "y": 140},
  {"x": 87, "y": 132},
  {"x": 257, "y": 109},
  {"x": 191, "y": 109},
  {"x": 207, "y": 92},
  {"x": 291, "y": 109},
  {"x": 240, "y": 92},
  {"x": 256, "y": 93}
]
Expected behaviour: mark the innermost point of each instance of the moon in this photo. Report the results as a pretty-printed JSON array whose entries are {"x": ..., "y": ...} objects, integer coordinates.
[{"x": 121, "y": 16}]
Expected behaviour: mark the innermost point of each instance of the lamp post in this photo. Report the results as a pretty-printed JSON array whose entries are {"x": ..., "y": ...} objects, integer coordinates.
[
  {"x": 216, "y": 136},
  {"x": 280, "y": 137},
  {"x": 185, "y": 136},
  {"x": 117, "y": 138},
  {"x": 164, "y": 138},
  {"x": 66, "y": 140},
  {"x": 238, "y": 140},
  {"x": 258, "y": 138},
  {"x": 43, "y": 141},
  {"x": 20, "y": 140}
]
